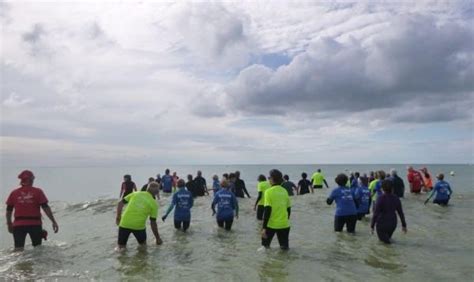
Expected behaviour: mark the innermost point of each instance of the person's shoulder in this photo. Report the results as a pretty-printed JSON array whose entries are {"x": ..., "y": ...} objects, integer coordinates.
[{"x": 16, "y": 190}]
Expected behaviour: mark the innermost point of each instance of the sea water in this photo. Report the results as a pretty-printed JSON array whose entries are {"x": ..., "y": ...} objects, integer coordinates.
[{"x": 439, "y": 245}]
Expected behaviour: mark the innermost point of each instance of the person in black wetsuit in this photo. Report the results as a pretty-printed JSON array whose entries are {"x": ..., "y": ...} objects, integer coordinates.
[
  {"x": 128, "y": 186},
  {"x": 304, "y": 185},
  {"x": 150, "y": 180},
  {"x": 200, "y": 184},
  {"x": 191, "y": 186},
  {"x": 158, "y": 180},
  {"x": 288, "y": 185},
  {"x": 239, "y": 186},
  {"x": 398, "y": 184}
]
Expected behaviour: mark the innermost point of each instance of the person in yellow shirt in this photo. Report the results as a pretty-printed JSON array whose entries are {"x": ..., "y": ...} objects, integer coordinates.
[
  {"x": 318, "y": 179},
  {"x": 262, "y": 186},
  {"x": 277, "y": 210}
]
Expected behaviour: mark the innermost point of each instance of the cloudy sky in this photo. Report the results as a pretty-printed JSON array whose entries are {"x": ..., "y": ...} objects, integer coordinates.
[{"x": 134, "y": 83}]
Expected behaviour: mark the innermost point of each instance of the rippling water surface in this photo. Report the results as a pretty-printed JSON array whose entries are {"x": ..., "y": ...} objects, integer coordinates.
[{"x": 438, "y": 246}]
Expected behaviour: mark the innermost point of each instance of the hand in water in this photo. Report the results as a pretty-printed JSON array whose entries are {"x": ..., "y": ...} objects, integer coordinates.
[
  {"x": 264, "y": 233},
  {"x": 404, "y": 229},
  {"x": 163, "y": 218},
  {"x": 117, "y": 220},
  {"x": 159, "y": 241},
  {"x": 372, "y": 231},
  {"x": 213, "y": 213},
  {"x": 55, "y": 227}
]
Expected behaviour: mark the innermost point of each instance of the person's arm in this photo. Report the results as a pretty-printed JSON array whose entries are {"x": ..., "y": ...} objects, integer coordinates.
[
  {"x": 49, "y": 214},
  {"x": 430, "y": 196},
  {"x": 289, "y": 212},
  {"x": 311, "y": 187},
  {"x": 259, "y": 197},
  {"x": 267, "y": 211},
  {"x": 9, "y": 218},
  {"x": 298, "y": 189},
  {"x": 245, "y": 189},
  {"x": 213, "y": 205},
  {"x": 119, "y": 211},
  {"x": 170, "y": 208},
  {"x": 122, "y": 190},
  {"x": 330, "y": 199},
  {"x": 205, "y": 187},
  {"x": 236, "y": 206},
  {"x": 325, "y": 183},
  {"x": 154, "y": 229},
  {"x": 401, "y": 215}
]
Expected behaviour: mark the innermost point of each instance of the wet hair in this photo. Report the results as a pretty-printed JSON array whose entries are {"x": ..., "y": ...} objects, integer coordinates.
[
  {"x": 286, "y": 177},
  {"x": 304, "y": 175},
  {"x": 381, "y": 174},
  {"x": 237, "y": 173},
  {"x": 356, "y": 175},
  {"x": 225, "y": 175},
  {"x": 190, "y": 177},
  {"x": 167, "y": 171},
  {"x": 150, "y": 179},
  {"x": 261, "y": 178},
  {"x": 276, "y": 176},
  {"x": 181, "y": 183},
  {"x": 341, "y": 179},
  {"x": 440, "y": 176},
  {"x": 231, "y": 175},
  {"x": 224, "y": 183},
  {"x": 127, "y": 177},
  {"x": 364, "y": 181},
  {"x": 387, "y": 186}
]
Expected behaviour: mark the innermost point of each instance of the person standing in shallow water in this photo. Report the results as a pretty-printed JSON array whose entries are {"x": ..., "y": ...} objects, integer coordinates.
[
  {"x": 128, "y": 186},
  {"x": 262, "y": 186},
  {"x": 277, "y": 211},
  {"x": 289, "y": 186},
  {"x": 183, "y": 200},
  {"x": 239, "y": 186},
  {"x": 442, "y": 190},
  {"x": 304, "y": 185},
  {"x": 346, "y": 205},
  {"x": 27, "y": 202},
  {"x": 385, "y": 218},
  {"x": 227, "y": 207}
]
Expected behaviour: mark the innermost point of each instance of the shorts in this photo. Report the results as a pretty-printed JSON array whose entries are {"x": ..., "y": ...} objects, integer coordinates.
[
  {"x": 360, "y": 216},
  {"x": 348, "y": 220},
  {"x": 124, "y": 233},
  {"x": 20, "y": 232},
  {"x": 184, "y": 224},
  {"x": 441, "y": 202},
  {"x": 317, "y": 186},
  {"x": 225, "y": 223},
  {"x": 282, "y": 235},
  {"x": 260, "y": 210}
]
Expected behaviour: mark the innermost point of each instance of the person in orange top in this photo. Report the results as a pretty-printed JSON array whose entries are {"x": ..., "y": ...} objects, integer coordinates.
[{"x": 426, "y": 180}]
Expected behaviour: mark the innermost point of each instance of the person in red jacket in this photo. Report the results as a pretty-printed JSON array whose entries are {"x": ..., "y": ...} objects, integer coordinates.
[
  {"x": 415, "y": 179},
  {"x": 26, "y": 201}
]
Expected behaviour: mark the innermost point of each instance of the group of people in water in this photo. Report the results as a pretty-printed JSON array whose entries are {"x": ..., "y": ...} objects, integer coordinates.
[{"x": 355, "y": 196}]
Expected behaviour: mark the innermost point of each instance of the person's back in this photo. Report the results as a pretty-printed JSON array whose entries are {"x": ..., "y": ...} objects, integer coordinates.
[
  {"x": 363, "y": 194},
  {"x": 304, "y": 185},
  {"x": 398, "y": 185},
  {"x": 372, "y": 186},
  {"x": 225, "y": 201},
  {"x": 27, "y": 201},
  {"x": 416, "y": 181},
  {"x": 240, "y": 189},
  {"x": 278, "y": 199},
  {"x": 140, "y": 206},
  {"x": 344, "y": 198},
  {"x": 386, "y": 207},
  {"x": 200, "y": 185},
  {"x": 167, "y": 183},
  {"x": 289, "y": 186},
  {"x": 183, "y": 200},
  {"x": 317, "y": 179}
]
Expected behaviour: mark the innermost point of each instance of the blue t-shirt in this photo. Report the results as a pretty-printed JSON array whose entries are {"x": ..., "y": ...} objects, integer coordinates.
[
  {"x": 344, "y": 198},
  {"x": 363, "y": 196},
  {"x": 443, "y": 190},
  {"x": 354, "y": 183},
  {"x": 167, "y": 182},
  {"x": 378, "y": 188},
  {"x": 226, "y": 204},
  {"x": 216, "y": 186},
  {"x": 183, "y": 200}
]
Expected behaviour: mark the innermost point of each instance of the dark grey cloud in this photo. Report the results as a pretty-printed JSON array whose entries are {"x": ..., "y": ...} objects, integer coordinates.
[
  {"x": 416, "y": 57},
  {"x": 35, "y": 35}
]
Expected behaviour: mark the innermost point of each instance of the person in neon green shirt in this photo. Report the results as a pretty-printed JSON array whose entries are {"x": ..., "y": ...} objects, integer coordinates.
[
  {"x": 277, "y": 210},
  {"x": 262, "y": 186},
  {"x": 318, "y": 179},
  {"x": 140, "y": 206}
]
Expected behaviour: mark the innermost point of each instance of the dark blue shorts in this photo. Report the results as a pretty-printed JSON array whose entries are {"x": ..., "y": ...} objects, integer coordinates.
[{"x": 124, "y": 233}]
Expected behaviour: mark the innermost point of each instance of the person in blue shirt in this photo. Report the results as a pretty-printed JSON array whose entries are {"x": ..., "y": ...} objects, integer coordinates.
[
  {"x": 226, "y": 205},
  {"x": 363, "y": 195},
  {"x": 183, "y": 200},
  {"x": 216, "y": 185},
  {"x": 355, "y": 180},
  {"x": 346, "y": 205},
  {"x": 167, "y": 182},
  {"x": 442, "y": 190}
]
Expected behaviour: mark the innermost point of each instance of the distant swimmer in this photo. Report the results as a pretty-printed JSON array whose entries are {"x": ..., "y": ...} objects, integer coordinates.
[
  {"x": 363, "y": 195},
  {"x": 346, "y": 205},
  {"x": 140, "y": 206},
  {"x": 200, "y": 185},
  {"x": 398, "y": 184},
  {"x": 27, "y": 202},
  {"x": 304, "y": 185},
  {"x": 216, "y": 185},
  {"x": 167, "y": 182},
  {"x": 277, "y": 211},
  {"x": 385, "y": 218},
  {"x": 289, "y": 186},
  {"x": 415, "y": 179},
  {"x": 227, "y": 207},
  {"x": 128, "y": 186},
  {"x": 318, "y": 180},
  {"x": 262, "y": 186},
  {"x": 183, "y": 201},
  {"x": 442, "y": 190},
  {"x": 239, "y": 186},
  {"x": 426, "y": 179}
]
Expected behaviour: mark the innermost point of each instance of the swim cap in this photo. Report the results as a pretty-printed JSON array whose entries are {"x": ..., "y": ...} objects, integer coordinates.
[{"x": 26, "y": 175}]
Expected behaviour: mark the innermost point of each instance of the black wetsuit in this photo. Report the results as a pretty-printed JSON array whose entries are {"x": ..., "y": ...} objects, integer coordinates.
[
  {"x": 191, "y": 186},
  {"x": 304, "y": 185},
  {"x": 398, "y": 186},
  {"x": 127, "y": 188},
  {"x": 385, "y": 218},
  {"x": 240, "y": 189},
  {"x": 200, "y": 185},
  {"x": 288, "y": 185}
]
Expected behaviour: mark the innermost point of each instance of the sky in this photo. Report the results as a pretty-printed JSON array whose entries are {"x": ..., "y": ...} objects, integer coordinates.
[{"x": 141, "y": 83}]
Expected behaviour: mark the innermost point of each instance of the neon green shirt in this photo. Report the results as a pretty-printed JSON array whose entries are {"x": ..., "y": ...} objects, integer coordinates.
[
  {"x": 317, "y": 178},
  {"x": 277, "y": 198},
  {"x": 141, "y": 205},
  {"x": 262, "y": 187},
  {"x": 372, "y": 185}
]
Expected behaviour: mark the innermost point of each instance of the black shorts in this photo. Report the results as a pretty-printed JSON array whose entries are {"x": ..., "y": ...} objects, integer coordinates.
[
  {"x": 317, "y": 186},
  {"x": 260, "y": 209},
  {"x": 124, "y": 233},
  {"x": 282, "y": 235},
  {"x": 348, "y": 220},
  {"x": 225, "y": 223},
  {"x": 20, "y": 232},
  {"x": 360, "y": 216},
  {"x": 441, "y": 202},
  {"x": 182, "y": 224}
]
